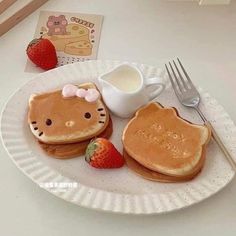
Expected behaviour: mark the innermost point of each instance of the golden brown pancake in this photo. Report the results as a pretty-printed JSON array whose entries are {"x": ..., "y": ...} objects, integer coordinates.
[
  {"x": 158, "y": 177},
  {"x": 71, "y": 150},
  {"x": 54, "y": 119},
  {"x": 160, "y": 140}
]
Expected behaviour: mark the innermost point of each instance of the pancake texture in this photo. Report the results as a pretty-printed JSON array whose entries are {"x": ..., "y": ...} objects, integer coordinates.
[
  {"x": 159, "y": 177},
  {"x": 71, "y": 150},
  {"x": 54, "y": 119},
  {"x": 161, "y": 141}
]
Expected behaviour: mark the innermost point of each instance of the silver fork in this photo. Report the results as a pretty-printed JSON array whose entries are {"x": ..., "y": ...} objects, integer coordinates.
[{"x": 190, "y": 97}]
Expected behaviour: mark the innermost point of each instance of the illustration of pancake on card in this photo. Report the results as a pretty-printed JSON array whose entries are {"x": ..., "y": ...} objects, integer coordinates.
[{"x": 71, "y": 116}]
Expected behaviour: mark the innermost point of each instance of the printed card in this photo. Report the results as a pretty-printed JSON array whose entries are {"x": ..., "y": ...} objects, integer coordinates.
[{"x": 74, "y": 35}]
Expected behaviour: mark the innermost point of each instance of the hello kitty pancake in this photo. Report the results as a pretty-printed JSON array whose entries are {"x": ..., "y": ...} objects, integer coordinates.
[{"x": 73, "y": 114}]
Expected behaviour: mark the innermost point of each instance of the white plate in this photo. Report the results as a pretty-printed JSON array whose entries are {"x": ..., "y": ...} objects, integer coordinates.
[{"x": 117, "y": 190}]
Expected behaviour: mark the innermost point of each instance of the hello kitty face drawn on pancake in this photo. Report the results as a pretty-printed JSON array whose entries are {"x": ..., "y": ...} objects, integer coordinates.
[{"x": 55, "y": 119}]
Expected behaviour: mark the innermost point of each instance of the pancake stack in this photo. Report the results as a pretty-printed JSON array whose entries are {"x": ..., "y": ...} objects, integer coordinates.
[
  {"x": 161, "y": 146},
  {"x": 64, "y": 126}
]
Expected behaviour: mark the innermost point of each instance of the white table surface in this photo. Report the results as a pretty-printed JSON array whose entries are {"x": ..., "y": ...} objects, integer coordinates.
[{"x": 150, "y": 32}]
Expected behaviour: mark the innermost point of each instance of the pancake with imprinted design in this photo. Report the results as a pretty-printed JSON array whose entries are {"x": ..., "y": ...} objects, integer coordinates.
[{"x": 161, "y": 141}]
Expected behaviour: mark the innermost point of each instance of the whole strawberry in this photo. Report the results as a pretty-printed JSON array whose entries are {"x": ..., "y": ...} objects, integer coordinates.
[
  {"x": 42, "y": 53},
  {"x": 102, "y": 154}
]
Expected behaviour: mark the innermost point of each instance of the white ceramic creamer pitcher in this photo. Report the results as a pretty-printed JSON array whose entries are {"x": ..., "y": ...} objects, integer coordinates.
[{"x": 124, "y": 89}]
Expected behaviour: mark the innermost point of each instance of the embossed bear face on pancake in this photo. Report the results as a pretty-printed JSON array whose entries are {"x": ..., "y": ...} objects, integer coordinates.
[{"x": 55, "y": 119}]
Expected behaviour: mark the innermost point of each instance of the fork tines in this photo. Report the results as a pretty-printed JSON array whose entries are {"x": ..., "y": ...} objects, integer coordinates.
[{"x": 180, "y": 81}]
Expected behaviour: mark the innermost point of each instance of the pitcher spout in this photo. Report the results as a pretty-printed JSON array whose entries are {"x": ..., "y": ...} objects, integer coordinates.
[{"x": 104, "y": 83}]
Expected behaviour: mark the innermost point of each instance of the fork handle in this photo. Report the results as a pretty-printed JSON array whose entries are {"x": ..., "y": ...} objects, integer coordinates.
[
  {"x": 218, "y": 140},
  {"x": 222, "y": 146}
]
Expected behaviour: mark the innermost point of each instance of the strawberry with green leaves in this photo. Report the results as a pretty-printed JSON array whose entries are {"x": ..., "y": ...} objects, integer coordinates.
[
  {"x": 42, "y": 53},
  {"x": 102, "y": 154}
]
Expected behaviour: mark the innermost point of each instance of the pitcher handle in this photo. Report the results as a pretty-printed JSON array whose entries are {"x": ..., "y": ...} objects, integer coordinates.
[{"x": 155, "y": 82}]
